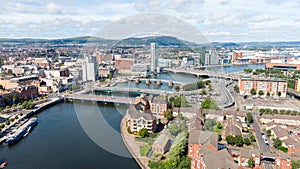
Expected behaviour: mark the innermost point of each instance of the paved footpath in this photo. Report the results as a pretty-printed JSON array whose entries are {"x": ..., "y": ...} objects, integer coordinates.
[{"x": 134, "y": 146}]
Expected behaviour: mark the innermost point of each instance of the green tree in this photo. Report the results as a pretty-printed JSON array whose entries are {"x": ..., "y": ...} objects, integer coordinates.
[
  {"x": 277, "y": 143},
  {"x": 203, "y": 92},
  {"x": 249, "y": 118},
  {"x": 253, "y": 91},
  {"x": 252, "y": 138},
  {"x": 210, "y": 87},
  {"x": 296, "y": 164},
  {"x": 247, "y": 141},
  {"x": 251, "y": 162},
  {"x": 1, "y": 87},
  {"x": 268, "y": 133},
  {"x": 260, "y": 93},
  {"x": 209, "y": 103},
  {"x": 230, "y": 140},
  {"x": 262, "y": 111},
  {"x": 209, "y": 124},
  {"x": 279, "y": 93},
  {"x": 177, "y": 88},
  {"x": 219, "y": 125},
  {"x": 168, "y": 114},
  {"x": 238, "y": 140},
  {"x": 268, "y": 94},
  {"x": 236, "y": 89},
  {"x": 143, "y": 133}
]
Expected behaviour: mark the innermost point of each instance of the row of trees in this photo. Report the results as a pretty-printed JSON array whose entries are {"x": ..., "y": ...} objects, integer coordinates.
[
  {"x": 275, "y": 111},
  {"x": 238, "y": 140},
  {"x": 178, "y": 101},
  {"x": 197, "y": 85}
]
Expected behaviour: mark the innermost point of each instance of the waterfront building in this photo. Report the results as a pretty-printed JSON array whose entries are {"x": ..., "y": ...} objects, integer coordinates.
[
  {"x": 159, "y": 105},
  {"x": 153, "y": 50},
  {"x": 211, "y": 57},
  {"x": 297, "y": 85},
  {"x": 89, "y": 69},
  {"x": 187, "y": 62},
  {"x": 142, "y": 69},
  {"x": 137, "y": 119},
  {"x": 282, "y": 66},
  {"x": 164, "y": 63},
  {"x": 275, "y": 87}
]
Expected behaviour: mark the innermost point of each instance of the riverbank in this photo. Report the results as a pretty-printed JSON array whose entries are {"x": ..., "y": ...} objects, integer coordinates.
[
  {"x": 27, "y": 114},
  {"x": 133, "y": 146}
]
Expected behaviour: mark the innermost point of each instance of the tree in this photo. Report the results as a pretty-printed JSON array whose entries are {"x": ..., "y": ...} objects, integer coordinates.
[
  {"x": 279, "y": 93},
  {"x": 253, "y": 91},
  {"x": 247, "y": 141},
  {"x": 230, "y": 140},
  {"x": 203, "y": 92},
  {"x": 277, "y": 143},
  {"x": 236, "y": 89},
  {"x": 268, "y": 133},
  {"x": 219, "y": 137},
  {"x": 252, "y": 138},
  {"x": 177, "y": 88},
  {"x": 261, "y": 111},
  {"x": 219, "y": 125},
  {"x": 209, "y": 103},
  {"x": 210, "y": 87},
  {"x": 268, "y": 94},
  {"x": 1, "y": 87},
  {"x": 238, "y": 140},
  {"x": 143, "y": 133},
  {"x": 209, "y": 124},
  {"x": 249, "y": 118},
  {"x": 168, "y": 114},
  {"x": 250, "y": 162},
  {"x": 260, "y": 93}
]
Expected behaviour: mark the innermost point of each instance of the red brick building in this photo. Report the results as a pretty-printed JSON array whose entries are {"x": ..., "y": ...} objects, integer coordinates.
[
  {"x": 271, "y": 86},
  {"x": 124, "y": 65}
]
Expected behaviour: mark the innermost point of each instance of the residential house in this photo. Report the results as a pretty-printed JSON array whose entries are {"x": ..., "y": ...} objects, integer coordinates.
[
  {"x": 159, "y": 105},
  {"x": 137, "y": 119},
  {"x": 209, "y": 159},
  {"x": 199, "y": 139},
  {"x": 162, "y": 143},
  {"x": 246, "y": 154},
  {"x": 217, "y": 115}
]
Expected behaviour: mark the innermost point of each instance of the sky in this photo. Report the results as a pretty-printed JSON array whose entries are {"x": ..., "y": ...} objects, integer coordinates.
[{"x": 217, "y": 20}]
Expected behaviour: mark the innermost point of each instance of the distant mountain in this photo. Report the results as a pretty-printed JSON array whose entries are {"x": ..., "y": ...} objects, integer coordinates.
[{"x": 160, "y": 40}]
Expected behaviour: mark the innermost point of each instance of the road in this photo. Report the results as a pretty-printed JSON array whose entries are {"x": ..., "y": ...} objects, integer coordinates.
[{"x": 262, "y": 145}]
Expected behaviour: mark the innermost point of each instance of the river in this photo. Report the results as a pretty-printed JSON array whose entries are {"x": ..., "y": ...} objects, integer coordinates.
[{"x": 59, "y": 142}]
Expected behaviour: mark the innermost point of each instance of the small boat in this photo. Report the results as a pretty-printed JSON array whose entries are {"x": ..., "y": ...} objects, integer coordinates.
[
  {"x": 3, "y": 164},
  {"x": 27, "y": 132}
]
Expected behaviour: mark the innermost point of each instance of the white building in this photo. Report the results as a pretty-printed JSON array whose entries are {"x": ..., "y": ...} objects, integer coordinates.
[
  {"x": 153, "y": 51},
  {"x": 164, "y": 63},
  {"x": 89, "y": 69}
]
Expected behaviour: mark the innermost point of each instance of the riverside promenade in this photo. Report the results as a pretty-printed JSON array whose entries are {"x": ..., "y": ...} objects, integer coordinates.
[{"x": 133, "y": 146}]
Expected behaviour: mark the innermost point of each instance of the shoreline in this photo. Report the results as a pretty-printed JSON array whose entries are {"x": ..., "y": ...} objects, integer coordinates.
[
  {"x": 131, "y": 145},
  {"x": 31, "y": 113}
]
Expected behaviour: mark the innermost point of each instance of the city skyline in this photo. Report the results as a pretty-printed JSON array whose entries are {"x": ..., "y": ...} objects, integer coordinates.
[{"x": 222, "y": 21}]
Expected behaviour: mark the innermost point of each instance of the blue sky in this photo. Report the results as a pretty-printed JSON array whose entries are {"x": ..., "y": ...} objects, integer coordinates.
[{"x": 218, "y": 20}]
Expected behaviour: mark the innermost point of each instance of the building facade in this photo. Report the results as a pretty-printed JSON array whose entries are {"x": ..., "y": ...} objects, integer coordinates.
[
  {"x": 297, "y": 85},
  {"x": 153, "y": 51},
  {"x": 275, "y": 87}
]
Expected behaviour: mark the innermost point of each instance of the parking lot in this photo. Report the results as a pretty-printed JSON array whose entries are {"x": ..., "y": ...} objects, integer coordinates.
[{"x": 273, "y": 104}]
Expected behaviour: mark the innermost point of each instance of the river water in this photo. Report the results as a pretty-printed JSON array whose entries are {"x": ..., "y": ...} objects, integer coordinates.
[{"x": 59, "y": 142}]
